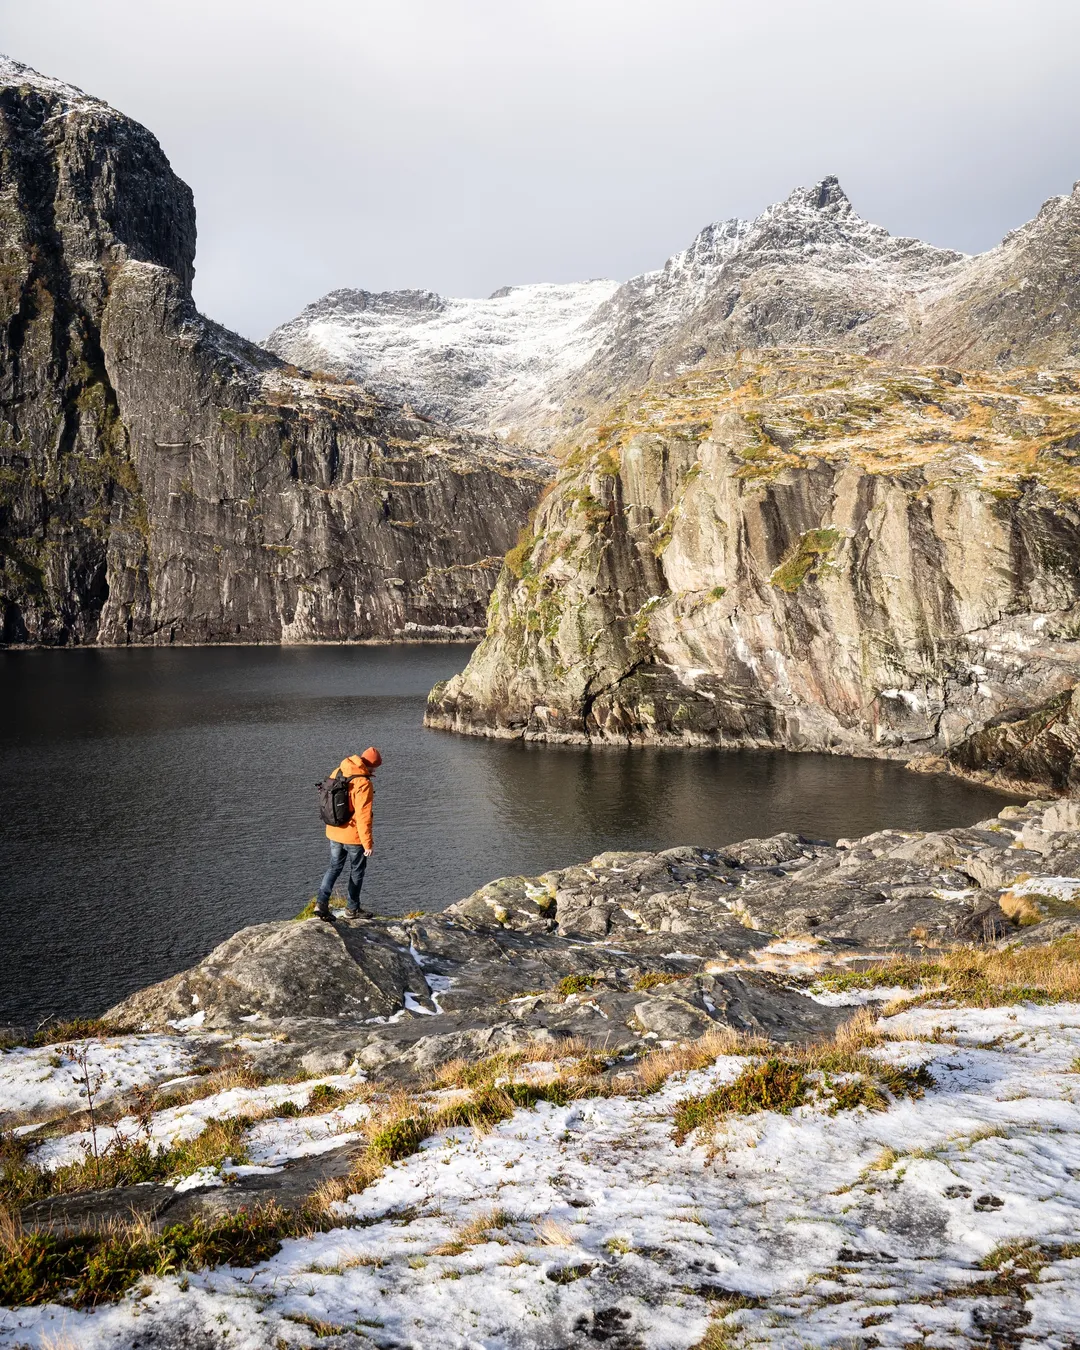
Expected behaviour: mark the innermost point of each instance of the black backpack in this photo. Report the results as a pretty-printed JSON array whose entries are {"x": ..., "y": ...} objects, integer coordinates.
[{"x": 335, "y": 805}]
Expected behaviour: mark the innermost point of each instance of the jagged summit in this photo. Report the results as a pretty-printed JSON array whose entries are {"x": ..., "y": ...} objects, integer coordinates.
[{"x": 826, "y": 195}]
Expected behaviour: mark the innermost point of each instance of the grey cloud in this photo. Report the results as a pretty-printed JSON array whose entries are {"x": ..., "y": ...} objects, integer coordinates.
[{"x": 463, "y": 145}]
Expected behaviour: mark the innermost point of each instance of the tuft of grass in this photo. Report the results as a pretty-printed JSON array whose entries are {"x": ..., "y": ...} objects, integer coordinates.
[
  {"x": 717, "y": 1337},
  {"x": 337, "y": 906},
  {"x": 551, "y": 1233},
  {"x": 318, "y": 1328},
  {"x": 400, "y": 1138},
  {"x": 324, "y": 1097},
  {"x": 476, "y": 1231},
  {"x": 651, "y": 979},
  {"x": 856, "y": 1091},
  {"x": 518, "y": 560},
  {"x": 79, "y": 1029},
  {"x": 91, "y": 1268},
  {"x": 773, "y": 1085},
  {"x": 575, "y": 984},
  {"x": 1019, "y": 1254}
]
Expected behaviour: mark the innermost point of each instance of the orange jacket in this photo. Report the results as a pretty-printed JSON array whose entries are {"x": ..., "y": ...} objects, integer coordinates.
[{"x": 361, "y": 795}]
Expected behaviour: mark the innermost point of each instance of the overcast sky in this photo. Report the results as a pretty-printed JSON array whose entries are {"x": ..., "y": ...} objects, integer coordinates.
[{"x": 463, "y": 145}]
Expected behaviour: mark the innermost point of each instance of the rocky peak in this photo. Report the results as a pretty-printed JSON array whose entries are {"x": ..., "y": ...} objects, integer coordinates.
[
  {"x": 78, "y": 172},
  {"x": 24, "y": 78},
  {"x": 821, "y": 223},
  {"x": 826, "y": 195}
]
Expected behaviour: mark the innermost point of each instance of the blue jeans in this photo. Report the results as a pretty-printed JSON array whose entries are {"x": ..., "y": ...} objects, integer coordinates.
[{"x": 357, "y": 865}]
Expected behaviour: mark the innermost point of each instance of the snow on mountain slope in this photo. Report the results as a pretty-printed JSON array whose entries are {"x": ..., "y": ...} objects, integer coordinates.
[
  {"x": 808, "y": 272},
  {"x": 478, "y": 363}
]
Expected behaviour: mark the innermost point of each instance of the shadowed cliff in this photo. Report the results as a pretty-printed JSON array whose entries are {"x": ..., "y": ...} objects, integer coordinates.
[{"x": 163, "y": 480}]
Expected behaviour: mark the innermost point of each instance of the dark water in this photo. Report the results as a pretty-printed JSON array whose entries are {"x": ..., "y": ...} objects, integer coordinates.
[{"x": 153, "y": 802}]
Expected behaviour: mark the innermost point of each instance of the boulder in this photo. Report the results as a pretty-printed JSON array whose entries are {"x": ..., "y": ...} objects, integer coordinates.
[{"x": 291, "y": 969}]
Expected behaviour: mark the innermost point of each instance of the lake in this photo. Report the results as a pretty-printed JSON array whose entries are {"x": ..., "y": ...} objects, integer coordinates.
[{"x": 154, "y": 801}]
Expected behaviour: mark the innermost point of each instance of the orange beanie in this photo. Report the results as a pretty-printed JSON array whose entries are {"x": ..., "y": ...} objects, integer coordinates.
[{"x": 372, "y": 757}]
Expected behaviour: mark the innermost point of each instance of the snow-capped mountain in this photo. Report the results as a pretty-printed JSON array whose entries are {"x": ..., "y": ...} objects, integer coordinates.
[
  {"x": 479, "y": 363},
  {"x": 808, "y": 272}
]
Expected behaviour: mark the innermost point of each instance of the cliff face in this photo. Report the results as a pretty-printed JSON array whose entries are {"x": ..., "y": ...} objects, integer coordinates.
[
  {"x": 163, "y": 480},
  {"x": 812, "y": 551}
]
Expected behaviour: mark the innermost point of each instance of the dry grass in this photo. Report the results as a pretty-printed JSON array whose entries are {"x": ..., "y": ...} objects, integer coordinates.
[
  {"x": 979, "y": 978},
  {"x": 121, "y": 1162},
  {"x": 838, "y": 1073},
  {"x": 478, "y": 1230},
  {"x": 551, "y": 1233},
  {"x": 467, "y": 1073},
  {"x": 656, "y": 1068},
  {"x": 99, "y": 1266}
]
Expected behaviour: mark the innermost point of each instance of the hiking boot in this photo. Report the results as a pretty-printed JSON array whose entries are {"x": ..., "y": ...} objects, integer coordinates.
[
  {"x": 357, "y": 914},
  {"x": 323, "y": 912}
]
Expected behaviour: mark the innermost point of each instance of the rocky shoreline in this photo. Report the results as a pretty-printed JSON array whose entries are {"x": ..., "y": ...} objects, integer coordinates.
[
  {"x": 646, "y": 1100},
  {"x": 626, "y": 947}
]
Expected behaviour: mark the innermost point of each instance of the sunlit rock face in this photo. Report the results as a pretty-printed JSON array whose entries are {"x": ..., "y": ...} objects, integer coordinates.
[
  {"x": 163, "y": 480},
  {"x": 806, "y": 550}
]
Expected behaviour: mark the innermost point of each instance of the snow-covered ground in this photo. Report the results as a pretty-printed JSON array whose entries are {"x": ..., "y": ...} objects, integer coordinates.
[
  {"x": 177, "y": 1124},
  {"x": 838, "y": 1230},
  {"x": 47, "y": 1080}
]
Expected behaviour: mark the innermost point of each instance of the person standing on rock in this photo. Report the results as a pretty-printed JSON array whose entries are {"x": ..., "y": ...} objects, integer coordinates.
[{"x": 351, "y": 841}]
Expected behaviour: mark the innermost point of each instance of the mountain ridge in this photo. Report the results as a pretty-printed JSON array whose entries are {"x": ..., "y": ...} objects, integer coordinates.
[{"x": 809, "y": 271}]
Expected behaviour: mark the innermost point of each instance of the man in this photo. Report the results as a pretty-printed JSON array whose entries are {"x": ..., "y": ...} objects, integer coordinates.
[{"x": 352, "y": 841}]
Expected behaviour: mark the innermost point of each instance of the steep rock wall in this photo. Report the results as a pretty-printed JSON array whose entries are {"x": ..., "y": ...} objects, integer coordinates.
[
  {"x": 814, "y": 551},
  {"x": 284, "y": 509},
  {"x": 163, "y": 480}
]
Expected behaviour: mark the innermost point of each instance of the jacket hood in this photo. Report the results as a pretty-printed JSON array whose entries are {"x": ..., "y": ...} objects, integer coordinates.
[{"x": 353, "y": 764}]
